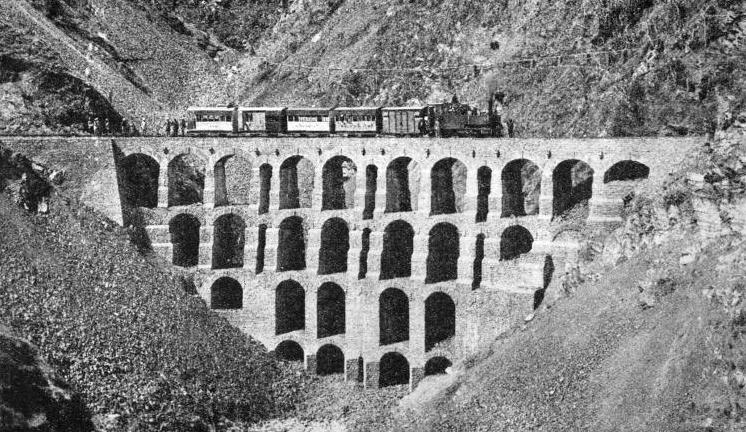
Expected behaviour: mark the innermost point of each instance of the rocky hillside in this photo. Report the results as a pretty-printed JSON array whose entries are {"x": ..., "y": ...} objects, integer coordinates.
[
  {"x": 647, "y": 336},
  {"x": 567, "y": 68},
  {"x": 120, "y": 329}
]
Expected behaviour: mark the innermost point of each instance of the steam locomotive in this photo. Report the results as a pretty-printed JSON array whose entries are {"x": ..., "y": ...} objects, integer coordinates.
[{"x": 445, "y": 120}]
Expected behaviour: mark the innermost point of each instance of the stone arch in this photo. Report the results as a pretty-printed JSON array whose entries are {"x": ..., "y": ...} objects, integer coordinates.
[
  {"x": 573, "y": 186},
  {"x": 330, "y": 310},
  {"x": 265, "y": 184},
  {"x": 437, "y": 366},
  {"x": 296, "y": 183},
  {"x": 393, "y": 316},
  {"x": 290, "y": 307},
  {"x": 291, "y": 245},
  {"x": 393, "y": 370},
  {"x": 396, "y": 255},
  {"x": 289, "y": 350},
  {"x": 186, "y": 180},
  {"x": 626, "y": 170},
  {"x": 139, "y": 186},
  {"x": 478, "y": 260},
  {"x": 232, "y": 174},
  {"x": 440, "y": 319},
  {"x": 338, "y": 177},
  {"x": 335, "y": 243},
  {"x": 514, "y": 242},
  {"x": 448, "y": 186},
  {"x": 402, "y": 185},
  {"x": 184, "y": 230},
  {"x": 371, "y": 185},
  {"x": 484, "y": 180},
  {"x": 330, "y": 360},
  {"x": 521, "y": 182},
  {"x": 229, "y": 233},
  {"x": 226, "y": 293},
  {"x": 442, "y": 253}
]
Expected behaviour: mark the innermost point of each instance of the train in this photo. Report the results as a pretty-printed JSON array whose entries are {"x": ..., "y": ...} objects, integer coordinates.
[{"x": 441, "y": 120}]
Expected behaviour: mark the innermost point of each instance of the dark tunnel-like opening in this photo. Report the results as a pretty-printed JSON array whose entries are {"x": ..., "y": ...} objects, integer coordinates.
[
  {"x": 393, "y": 316},
  {"x": 573, "y": 186},
  {"x": 289, "y": 351},
  {"x": 442, "y": 253},
  {"x": 364, "y": 250},
  {"x": 399, "y": 187},
  {"x": 625, "y": 171},
  {"x": 140, "y": 180},
  {"x": 330, "y": 360},
  {"x": 437, "y": 366},
  {"x": 290, "y": 307},
  {"x": 484, "y": 180},
  {"x": 265, "y": 185},
  {"x": 261, "y": 244},
  {"x": 229, "y": 239},
  {"x": 296, "y": 183},
  {"x": 514, "y": 242},
  {"x": 291, "y": 245},
  {"x": 371, "y": 185},
  {"x": 393, "y": 370},
  {"x": 226, "y": 293},
  {"x": 330, "y": 309},
  {"x": 398, "y": 245},
  {"x": 184, "y": 229},
  {"x": 440, "y": 319},
  {"x": 478, "y": 260},
  {"x": 335, "y": 244},
  {"x": 448, "y": 187}
]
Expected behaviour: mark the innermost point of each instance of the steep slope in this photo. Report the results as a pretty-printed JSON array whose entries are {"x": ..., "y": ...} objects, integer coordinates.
[{"x": 121, "y": 330}]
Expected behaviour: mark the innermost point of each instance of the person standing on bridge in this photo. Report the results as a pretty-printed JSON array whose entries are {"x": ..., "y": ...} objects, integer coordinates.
[
  {"x": 183, "y": 127},
  {"x": 168, "y": 127},
  {"x": 175, "y": 128},
  {"x": 143, "y": 127}
]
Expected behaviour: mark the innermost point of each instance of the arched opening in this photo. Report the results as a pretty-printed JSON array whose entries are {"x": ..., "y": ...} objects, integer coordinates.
[
  {"x": 521, "y": 180},
  {"x": 396, "y": 256},
  {"x": 371, "y": 185},
  {"x": 514, "y": 242},
  {"x": 437, "y": 366},
  {"x": 330, "y": 360},
  {"x": 184, "y": 229},
  {"x": 226, "y": 293},
  {"x": 364, "y": 250},
  {"x": 296, "y": 183},
  {"x": 139, "y": 181},
  {"x": 448, "y": 187},
  {"x": 330, "y": 309},
  {"x": 548, "y": 271},
  {"x": 186, "y": 180},
  {"x": 440, "y": 319},
  {"x": 290, "y": 307},
  {"x": 265, "y": 183},
  {"x": 402, "y": 185},
  {"x": 338, "y": 178},
  {"x": 626, "y": 170},
  {"x": 261, "y": 244},
  {"x": 478, "y": 259},
  {"x": 291, "y": 245},
  {"x": 442, "y": 253},
  {"x": 232, "y": 175},
  {"x": 393, "y": 316},
  {"x": 484, "y": 180},
  {"x": 229, "y": 232},
  {"x": 335, "y": 243},
  {"x": 289, "y": 351},
  {"x": 573, "y": 186},
  {"x": 393, "y": 370}
]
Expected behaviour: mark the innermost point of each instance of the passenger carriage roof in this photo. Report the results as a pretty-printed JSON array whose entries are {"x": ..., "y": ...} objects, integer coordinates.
[
  {"x": 357, "y": 109},
  {"x": 209, "y": 109},
  {"x": 258, "y": 109},
  {"x": 309, "y": 111},
  {"x": 405, "y": 108}
]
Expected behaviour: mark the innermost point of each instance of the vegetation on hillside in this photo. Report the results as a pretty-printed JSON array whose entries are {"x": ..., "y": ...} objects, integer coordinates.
[{"x": 122, "y": 331}]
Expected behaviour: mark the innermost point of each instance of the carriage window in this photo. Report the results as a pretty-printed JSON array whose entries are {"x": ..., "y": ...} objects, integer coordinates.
[{"x": 318, "y": 118}]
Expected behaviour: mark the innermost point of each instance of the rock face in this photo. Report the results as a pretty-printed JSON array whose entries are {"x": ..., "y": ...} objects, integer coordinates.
[{"x": 31, "y": 398}]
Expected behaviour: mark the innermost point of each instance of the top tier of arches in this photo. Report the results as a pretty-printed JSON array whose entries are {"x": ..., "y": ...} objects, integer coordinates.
[{"x": 499, "y": 186}]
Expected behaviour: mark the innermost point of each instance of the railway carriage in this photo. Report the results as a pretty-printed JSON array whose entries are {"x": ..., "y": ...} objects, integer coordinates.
[
  {"x": 412, "y": 121},
  {"x": 357, "y": 121},
  {"x": 311, "y": 121},
  {"x": 211, "y": 120},
  {"x": 262, "y": 120}
]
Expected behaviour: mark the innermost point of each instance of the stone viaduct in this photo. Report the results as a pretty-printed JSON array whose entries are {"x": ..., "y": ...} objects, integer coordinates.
[{"x": 384, "y": 259}]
